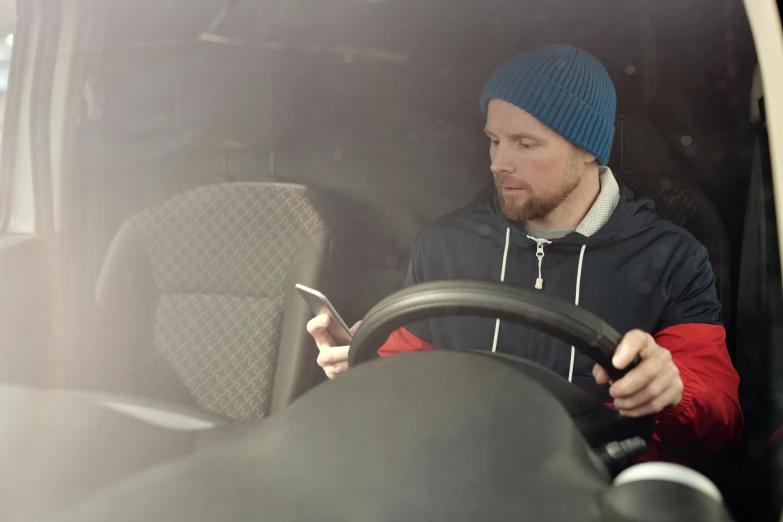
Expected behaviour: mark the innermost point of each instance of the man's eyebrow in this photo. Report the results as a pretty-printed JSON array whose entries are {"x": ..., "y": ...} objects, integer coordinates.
[
  {"x": 527, "y": 135},
  {"x": 519, "y": 135}
]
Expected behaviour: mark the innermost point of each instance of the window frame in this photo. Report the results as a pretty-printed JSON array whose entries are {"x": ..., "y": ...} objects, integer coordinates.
[
  {"x": 10, "y": 136},
  {"x": 25, "y": 139},
  {"x": 767, "y": 29}
]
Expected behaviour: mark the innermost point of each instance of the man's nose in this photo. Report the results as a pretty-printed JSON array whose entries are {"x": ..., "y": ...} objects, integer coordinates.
[{"x": 500, "y": 163}]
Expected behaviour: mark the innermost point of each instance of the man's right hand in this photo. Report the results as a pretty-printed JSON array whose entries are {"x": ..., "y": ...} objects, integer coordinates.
[{"x": 333, "y": 359}]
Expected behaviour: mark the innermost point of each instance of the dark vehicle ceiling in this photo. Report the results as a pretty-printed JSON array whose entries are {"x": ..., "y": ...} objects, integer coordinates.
[
  {"x": 378, "y": 99},
  {"x": 689, "y": 57}
]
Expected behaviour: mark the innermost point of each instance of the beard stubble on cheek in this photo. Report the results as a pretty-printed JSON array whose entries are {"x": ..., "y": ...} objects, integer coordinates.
[{"x": 531, "y": 206}]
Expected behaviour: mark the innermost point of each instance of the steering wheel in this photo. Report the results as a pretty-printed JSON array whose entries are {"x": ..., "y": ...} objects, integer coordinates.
[
  {"x": 534, "y": 308},
  {"x": 546, "y": 313}
]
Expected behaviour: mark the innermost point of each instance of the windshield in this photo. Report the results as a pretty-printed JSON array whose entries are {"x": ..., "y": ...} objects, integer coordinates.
[{"x": 190, "y": 163}]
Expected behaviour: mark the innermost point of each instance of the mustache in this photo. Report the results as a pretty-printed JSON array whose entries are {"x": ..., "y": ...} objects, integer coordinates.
[{"x": 507, "y": 181}]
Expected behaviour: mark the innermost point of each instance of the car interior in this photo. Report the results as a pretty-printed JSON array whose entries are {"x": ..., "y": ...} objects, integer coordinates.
[
  {"x": 209, "y": 155},
  {"x": 374, "y": 138}
]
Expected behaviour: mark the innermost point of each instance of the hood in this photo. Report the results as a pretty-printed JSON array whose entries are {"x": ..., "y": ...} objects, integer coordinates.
[{"x": 629, "y": 217}]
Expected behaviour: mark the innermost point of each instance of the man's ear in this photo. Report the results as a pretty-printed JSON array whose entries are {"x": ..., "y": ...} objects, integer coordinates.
[{"x": 589, "y": 158}]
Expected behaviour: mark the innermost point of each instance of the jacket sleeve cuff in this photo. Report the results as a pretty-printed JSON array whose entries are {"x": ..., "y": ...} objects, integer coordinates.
[{"x": 683, "y": 411}]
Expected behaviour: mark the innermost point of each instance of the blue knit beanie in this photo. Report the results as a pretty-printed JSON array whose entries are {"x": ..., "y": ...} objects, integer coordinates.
[{"x": 566, "y": 89}]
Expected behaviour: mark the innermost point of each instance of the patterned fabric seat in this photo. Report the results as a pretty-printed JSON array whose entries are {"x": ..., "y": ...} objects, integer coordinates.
[{"x": 201, "y": 289}]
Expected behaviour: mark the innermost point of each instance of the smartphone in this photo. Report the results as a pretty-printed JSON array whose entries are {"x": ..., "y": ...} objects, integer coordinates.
[{"x": 319, "y": 304}]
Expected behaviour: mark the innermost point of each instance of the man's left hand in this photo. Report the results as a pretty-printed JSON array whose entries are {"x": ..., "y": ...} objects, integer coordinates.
[{"x": 653, "y": 385}]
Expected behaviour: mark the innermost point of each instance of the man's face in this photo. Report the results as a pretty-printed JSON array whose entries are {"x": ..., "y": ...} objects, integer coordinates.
[{"x": 535, "y": 169}]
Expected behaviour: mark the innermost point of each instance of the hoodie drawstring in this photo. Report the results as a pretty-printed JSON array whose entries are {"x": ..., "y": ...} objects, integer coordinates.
[
  {"x": 540, "y": 285},
  {"x": 502, "y": 279},
  {"x": 576, "y": 302}
]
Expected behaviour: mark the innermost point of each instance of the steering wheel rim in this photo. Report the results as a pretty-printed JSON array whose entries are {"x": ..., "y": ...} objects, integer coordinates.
[{"x": 546, "y": 313}]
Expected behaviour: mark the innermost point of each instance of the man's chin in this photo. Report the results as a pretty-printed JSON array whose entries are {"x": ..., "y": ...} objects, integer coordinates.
[{"x": 515, "y": 210}]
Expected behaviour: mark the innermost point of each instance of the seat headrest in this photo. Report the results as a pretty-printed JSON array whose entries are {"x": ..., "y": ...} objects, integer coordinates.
[
  {"x": 619, "y": 34},
  {"x": 202, "y": 241}
]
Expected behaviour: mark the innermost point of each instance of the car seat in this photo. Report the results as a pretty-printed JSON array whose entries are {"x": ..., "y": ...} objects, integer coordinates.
[{"x": 199, "y": 299}]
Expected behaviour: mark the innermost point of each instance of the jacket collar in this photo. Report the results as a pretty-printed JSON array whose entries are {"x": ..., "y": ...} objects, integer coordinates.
[
  {"x": 605, "y": 203},
  {"x": 595, "y": 219}
]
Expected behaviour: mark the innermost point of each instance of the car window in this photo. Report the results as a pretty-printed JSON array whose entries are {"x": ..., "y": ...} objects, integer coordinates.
[{"x": 208, "y": 156}]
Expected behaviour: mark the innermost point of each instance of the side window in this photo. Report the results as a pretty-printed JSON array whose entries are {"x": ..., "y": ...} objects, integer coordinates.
[
  {"x": 7, "y": 28},
  {"x": 15, "y": 193}
]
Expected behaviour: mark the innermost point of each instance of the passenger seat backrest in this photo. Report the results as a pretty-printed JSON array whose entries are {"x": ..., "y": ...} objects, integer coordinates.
[{"x": 212, "y": 274}]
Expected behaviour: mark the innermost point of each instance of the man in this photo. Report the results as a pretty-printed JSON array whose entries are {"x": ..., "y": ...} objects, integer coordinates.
[{"x": 559, "y": 221}]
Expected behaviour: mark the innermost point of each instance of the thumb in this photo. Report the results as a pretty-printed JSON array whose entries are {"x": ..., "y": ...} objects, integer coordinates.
[
  {"x": 356, "y": 327},
  {"x": 632, "y": 344}
]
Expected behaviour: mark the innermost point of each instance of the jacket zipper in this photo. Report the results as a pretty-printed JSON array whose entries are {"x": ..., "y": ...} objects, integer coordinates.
[{"x": 540, "y": 255}]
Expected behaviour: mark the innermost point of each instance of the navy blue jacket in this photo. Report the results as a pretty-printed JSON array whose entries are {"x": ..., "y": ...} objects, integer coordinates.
[{"x": 637, "y": 271}]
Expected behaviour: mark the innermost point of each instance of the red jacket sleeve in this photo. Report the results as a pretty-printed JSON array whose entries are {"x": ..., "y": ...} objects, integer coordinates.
[
  {"x": 401, "y": 341},
  {"x": 708, "y": 420}
]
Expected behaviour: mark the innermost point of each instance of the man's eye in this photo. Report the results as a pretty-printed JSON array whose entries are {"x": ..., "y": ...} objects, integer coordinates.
[{"x": 525, "y": 146}]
